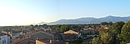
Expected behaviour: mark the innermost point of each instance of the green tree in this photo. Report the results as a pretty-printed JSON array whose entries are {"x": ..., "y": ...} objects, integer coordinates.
[
  {"x": 31, "y": 27},
  {"x": 109, "y": 36},
  {"x": 105, "y": 37},
  {"x": 36, "y": 25},
  {"x": 45, "y": 25},
  {"x": 104, "y": 23},
  {"x": 115, "y": 30},
  {"x": 77, "y": 41},
  {"x": 110, "y": 23},
  {"x": 96, "y": 40},
  {"x": 116, "y": 27},
  {"x": 124, "y": 37},
  {"x": 64, "y": 28}
]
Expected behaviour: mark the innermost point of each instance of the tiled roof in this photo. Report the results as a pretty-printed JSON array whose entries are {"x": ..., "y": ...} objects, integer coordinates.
[
  {"x": 70, "y": 32},
  {"x": 19, "y": 40},
  {"x": 44, "y": 41},
  {"x": 42, "y": 35}
]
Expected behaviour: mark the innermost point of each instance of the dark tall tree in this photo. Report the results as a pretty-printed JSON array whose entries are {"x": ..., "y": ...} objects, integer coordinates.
[
  {"x": 45, "y": 25},
  {"x": 109, "y": 36},
  {"x": 104, "y": 23},
  {"x": 31, "y": 25},
  {"x": 115, "y": 30},
  {"x": 96, "y": 40},
  {"x": 64, "y": 28},
  {"x": 110, "y": 23},
  {"x": 124, "y": 37}
]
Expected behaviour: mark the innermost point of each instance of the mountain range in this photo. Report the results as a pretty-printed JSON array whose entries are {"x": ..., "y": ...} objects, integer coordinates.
[{"x": 89, "y": 20}]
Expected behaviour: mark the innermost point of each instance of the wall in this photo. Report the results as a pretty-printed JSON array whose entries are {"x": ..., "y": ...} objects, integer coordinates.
[{"x": 4, "y": 39}]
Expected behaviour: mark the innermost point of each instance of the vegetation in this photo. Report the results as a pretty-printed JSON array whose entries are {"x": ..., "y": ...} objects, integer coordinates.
[
  {"x": 77, "y": 41},
  {"x": 118, "y": 34},
  {"x": 124, "y": 37},
  {"x": 106, "y": 23},
  {"x": 64, "y": 28}
]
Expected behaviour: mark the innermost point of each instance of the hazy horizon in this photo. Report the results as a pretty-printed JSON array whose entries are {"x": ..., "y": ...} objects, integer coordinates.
[{"x": 25, "y": 12}]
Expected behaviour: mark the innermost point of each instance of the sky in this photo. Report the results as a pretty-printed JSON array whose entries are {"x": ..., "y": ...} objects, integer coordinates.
[{"x": 26, "y": 12}]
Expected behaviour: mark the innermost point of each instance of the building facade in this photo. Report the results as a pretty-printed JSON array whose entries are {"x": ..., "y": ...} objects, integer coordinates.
[{"x": 4, "y": 39}]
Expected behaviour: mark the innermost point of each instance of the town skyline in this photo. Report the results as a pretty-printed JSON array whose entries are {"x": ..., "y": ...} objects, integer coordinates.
[{"x": 25, "y": 12}]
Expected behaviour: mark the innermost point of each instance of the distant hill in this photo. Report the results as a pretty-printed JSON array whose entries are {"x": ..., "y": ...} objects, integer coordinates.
[{"x": 91, "y": 20}]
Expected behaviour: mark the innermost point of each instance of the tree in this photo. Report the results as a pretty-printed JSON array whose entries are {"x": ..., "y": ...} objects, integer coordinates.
[
  {"x": 124, "y": 37},
  {"x": 64, "y": 28},
  {"x": 36, "y": 25},
  {"x": 109, "y": 36},
  {"x": 110, "y": 23},
  {"x": 77, "y": 41},
  {"x": 105, "y": 37},
  {"x": 104, "y": 23},
  {"x": 115, "y": 30},
  {"x": 31, "y": 27},
  {"x": 96, "y": 40},
  {"x": 116, "y": 27},
  {"x": 45, "y": 25}
]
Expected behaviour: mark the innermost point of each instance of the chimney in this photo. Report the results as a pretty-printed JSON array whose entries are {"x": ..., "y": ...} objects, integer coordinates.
[
  {"x": 51, "y": 41},
  {"x": 37, "y": 38},
  {"x": 67, "y": 43}
]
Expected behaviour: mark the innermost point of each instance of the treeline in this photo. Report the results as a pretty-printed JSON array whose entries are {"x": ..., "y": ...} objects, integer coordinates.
[
  {"x": 65, "y": 27},
  {"x": 119, "y": 33}
]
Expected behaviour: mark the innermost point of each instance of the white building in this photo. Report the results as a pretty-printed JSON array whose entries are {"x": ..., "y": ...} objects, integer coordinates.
[{"x": 4, "y": 39}]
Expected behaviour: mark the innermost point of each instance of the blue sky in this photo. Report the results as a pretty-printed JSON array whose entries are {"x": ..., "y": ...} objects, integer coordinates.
[{"x": 24, "y": 12}]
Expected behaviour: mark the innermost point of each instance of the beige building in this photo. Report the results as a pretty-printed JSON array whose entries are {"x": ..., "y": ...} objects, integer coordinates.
[
  {"x": 42, "y": 42},
  {"x": 70, "y": 35},
  {"x": 70, "y": 32}
]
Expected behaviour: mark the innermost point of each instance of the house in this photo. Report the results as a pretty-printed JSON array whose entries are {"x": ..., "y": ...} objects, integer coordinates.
[
  {"x": 18, "y": 41},
  {"x": 4, "y": 38},
  {"x": 33, "y": 38},
  {"x": 70, "y": 35},
  {"x": 42, "y": 35},
  {"x": 39, "y": 37},
  {"x": 87, "y": 33},
  {"x": 70, "y": 32},
  {"x": 50, "y": 42},
  {"x": 43, "y": 42}
]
